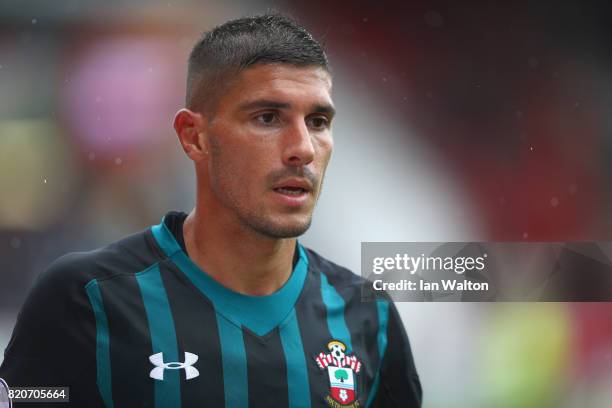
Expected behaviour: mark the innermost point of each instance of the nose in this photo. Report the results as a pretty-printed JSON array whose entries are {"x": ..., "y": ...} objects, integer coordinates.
[{"x": 299, "y": 149}]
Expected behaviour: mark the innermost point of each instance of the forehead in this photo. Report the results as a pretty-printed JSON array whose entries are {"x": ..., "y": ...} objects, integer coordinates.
[{"x": 282, "y": 82}]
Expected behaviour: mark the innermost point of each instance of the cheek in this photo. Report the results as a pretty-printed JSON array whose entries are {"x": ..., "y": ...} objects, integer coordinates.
[
  {"x": 325, "y": 149},
  {"x": 225, "y": 169},
  {"x": 240, "y": 171}
]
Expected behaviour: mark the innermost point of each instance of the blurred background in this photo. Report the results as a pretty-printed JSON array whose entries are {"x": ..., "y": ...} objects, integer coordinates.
[{"x": 457, "y": 121}]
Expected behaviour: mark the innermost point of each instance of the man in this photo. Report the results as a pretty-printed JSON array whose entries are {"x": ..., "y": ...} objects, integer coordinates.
[{"x": 223, "y": 307}]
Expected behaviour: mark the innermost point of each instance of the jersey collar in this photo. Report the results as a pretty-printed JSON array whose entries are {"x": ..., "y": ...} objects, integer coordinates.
[{"x": 260, "y": 314}]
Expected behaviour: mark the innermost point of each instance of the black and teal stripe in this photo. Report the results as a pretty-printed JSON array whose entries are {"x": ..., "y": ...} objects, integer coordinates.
[
  {"x": 252, "y": 351},
  {"x": 103, "y": 371},
  {"x": 382, "y": 307},
  {"x": 101, "y": 315},
  {"x": 162, "y": 333}
]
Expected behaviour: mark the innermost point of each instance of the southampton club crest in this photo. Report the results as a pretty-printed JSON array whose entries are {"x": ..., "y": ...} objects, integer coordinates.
[{"x": 342, "y": 371}]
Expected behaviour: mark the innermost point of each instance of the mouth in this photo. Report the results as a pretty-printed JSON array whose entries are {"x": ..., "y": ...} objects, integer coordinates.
[
  {"x": 293, "y": 186},
  {"x": 291, "y": 191}
]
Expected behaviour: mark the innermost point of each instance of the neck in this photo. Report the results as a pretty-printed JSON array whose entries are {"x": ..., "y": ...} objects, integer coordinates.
[{"x": 236, "y": 256}]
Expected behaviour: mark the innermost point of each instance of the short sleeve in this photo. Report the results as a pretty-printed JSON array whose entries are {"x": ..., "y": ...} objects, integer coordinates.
[
  {"x": 400, "y": 383},
  {"x": 53, "y": 342}
]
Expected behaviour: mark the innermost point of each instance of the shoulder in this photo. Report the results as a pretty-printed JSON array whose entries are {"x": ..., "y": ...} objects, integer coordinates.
[
  {"x": 56, "y": 318},
  {"x": 128, "y": 255},
  {"x": 60, "y": 290},
  {"x": 332, "y": 270},
  {"x": 343, "y": 279}
]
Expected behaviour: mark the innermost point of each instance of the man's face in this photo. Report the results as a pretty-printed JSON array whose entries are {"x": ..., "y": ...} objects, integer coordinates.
[{"x": 270, "y": 142}]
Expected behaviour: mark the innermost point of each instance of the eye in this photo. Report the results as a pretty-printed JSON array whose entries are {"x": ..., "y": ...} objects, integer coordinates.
[
  {"x": 318, "y": 122},
  {"x": 267, "y": 118}
]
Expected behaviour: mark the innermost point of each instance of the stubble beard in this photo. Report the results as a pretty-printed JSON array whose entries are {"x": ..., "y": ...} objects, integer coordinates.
[
  {"x": 254, "y": 218},
  {"x": 269, "y": 229}
]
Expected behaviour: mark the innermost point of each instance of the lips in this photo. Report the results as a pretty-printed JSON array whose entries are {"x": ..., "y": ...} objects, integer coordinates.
[
  {"x": 290, "y": 190},
  {"x": 293, "y": 192},
  {"x": 293, "y": 187}
]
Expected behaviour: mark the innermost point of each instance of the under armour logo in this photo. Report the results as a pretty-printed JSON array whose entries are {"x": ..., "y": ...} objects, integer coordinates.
[{"x": 158, "y": 361}]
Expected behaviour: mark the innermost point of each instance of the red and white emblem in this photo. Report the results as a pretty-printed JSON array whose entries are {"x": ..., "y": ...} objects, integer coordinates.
[{"x": 341, "y": 370}]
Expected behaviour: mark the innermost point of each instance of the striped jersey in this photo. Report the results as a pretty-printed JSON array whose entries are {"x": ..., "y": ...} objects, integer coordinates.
[{"x": 138, "y": 324}]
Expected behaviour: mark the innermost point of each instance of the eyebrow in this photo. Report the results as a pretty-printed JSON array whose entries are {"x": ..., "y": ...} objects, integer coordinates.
[{"x": 271, "y": 104}]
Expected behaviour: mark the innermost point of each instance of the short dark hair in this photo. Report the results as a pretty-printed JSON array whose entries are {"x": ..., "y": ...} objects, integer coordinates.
[{"x": 224, "y": 51}]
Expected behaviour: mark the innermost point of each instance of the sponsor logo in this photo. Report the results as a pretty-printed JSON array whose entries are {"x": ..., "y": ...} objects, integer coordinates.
[{"x": 160, "y": 366}]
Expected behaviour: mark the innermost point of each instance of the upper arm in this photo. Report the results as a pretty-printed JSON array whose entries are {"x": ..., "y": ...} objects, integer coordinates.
[
  {"x": 51, "y": 343},
  {"x": 399, "y": 379}
]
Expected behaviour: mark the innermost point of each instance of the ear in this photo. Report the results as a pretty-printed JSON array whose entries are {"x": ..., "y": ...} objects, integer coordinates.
[{"x": 190, "y": 129}]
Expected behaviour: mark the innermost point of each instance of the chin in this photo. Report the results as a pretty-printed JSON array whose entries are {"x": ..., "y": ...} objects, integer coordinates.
[{"x": 279, "y": 230}]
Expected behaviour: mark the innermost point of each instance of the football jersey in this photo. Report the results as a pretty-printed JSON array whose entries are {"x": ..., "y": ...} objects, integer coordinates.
[{"x": 138, "y": 324}]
